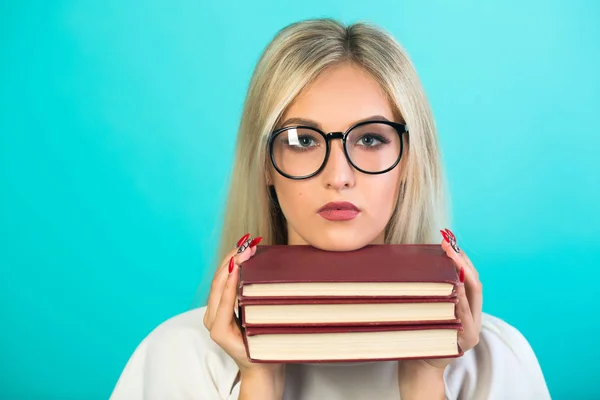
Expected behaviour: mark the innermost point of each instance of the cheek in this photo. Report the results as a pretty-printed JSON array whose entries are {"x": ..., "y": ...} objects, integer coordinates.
[
  {"x": 291, "y": 196},
  {"x": 382, "y": 193}
]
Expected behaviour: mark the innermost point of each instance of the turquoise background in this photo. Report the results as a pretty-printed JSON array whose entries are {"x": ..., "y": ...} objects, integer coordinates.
[{"x": 117, "y": 127}]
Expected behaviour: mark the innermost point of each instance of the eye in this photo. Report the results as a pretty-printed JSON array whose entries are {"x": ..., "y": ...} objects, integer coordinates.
[
  {"x": 370, "y": 140},
  {"x": 306, "y": 141},
  {"x": 301, "y": 140}
]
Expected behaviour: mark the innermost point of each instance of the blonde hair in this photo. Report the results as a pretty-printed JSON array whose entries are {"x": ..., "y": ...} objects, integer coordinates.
[{"x": 294, "y": 58}]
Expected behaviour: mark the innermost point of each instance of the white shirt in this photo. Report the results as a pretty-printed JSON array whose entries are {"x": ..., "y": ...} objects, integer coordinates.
[{"x": 179, "y": 360}]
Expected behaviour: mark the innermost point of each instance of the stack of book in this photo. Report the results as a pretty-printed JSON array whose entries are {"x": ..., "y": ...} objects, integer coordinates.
[{"x": 382, "y": 302}]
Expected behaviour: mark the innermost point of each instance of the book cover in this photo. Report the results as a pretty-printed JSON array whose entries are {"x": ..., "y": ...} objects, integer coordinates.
[
  {"x": 404, "y": 264},
  {"x": 453, "y": 329}
]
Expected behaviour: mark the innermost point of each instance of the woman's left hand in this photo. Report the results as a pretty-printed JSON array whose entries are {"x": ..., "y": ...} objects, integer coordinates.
[{"x": 424, "y": 378}]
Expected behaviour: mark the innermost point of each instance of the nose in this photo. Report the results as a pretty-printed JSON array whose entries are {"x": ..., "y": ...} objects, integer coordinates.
[{"x": 338, "y": 173}]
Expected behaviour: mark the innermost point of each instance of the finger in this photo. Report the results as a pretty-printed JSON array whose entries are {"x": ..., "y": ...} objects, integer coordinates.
[
  {"x": 224, "y": 317},
  {"x": 236, "y": 250},
  {"x": 471, "y": 279},
  {"x": 246, "y": 250},
  {"x": 445, "y": 244},
  {"x": 241, "y": 241},
  {"x": 461, "y": 259},
  {"x": 449, "y": 237},
  {"x": 463, "y": 309},
  {"x": 472, "y": 285},
  {"x": 241, "y": 245},
  {"x": 225, "y": 262},
  {"x": 472, "y": 282},
  {"x": 222, "y": 273},
  {"x": 471, "y": 266},
  {"x": 474, "y": 292},
  {"x": 216, "y": 290},
  {"x": 468, "y": 336},
  {"x": 244, "y": 255},
  {"x": 452, "y": 243}
]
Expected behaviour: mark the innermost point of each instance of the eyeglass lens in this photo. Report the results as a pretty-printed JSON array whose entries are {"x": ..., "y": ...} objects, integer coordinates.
[{"x": 372, "y": 148}]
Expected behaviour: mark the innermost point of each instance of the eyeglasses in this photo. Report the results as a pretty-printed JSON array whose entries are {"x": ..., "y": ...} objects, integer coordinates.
[{"x": 371, "y": 147}]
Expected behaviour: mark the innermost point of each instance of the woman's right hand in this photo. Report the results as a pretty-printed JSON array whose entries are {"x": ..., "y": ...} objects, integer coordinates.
[{"x": 258, "y": 380}]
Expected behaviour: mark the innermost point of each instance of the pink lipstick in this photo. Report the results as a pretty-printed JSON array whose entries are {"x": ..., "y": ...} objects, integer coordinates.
[{"x": 338, "y": 211}]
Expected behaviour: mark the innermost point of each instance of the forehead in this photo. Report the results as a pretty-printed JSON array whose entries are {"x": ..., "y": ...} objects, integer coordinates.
[{"x": 340, "y": 96}]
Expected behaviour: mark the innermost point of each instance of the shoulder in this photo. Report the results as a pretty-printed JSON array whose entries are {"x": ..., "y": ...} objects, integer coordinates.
[
  {"x": 177, "y": 359},
  {"x": 498, "y": 334},
  {"x": 502, "y": 365}
]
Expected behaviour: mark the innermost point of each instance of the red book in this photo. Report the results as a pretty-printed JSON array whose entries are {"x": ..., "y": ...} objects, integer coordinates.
[
  {"x": 267, "y": 312},
  {"x": 382, "y": 302},
  {"x": 352, "y": 344},
  {"x": 374, "y": 271}
]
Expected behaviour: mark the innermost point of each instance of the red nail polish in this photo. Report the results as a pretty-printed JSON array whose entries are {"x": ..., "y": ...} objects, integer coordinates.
[
  {"x": 461, "y": 275},
  {"x": 451, "y": 234},
  {"x": 243, "y": 239},
  {"x": 231, "y": 264},
  {"x": 255, "y": 241},
  {"x": 445, "y": 235}
]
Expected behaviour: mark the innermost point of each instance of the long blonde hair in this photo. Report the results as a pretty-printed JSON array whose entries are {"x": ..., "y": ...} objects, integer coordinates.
[{"x": 294, "y": 58}]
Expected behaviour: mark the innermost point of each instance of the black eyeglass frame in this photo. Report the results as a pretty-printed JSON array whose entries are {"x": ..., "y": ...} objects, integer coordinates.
[{"x": 400, "y": 130}]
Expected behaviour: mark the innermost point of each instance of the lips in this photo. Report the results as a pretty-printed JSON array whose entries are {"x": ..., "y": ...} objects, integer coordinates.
[{"x": 338, "y": 211}]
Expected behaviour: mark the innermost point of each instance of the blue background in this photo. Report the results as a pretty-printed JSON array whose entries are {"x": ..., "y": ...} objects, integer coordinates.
[{"x": 117, "y": 127}]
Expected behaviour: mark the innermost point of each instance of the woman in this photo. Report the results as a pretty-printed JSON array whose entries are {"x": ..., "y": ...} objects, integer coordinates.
[{"x": 295, "y": 183}]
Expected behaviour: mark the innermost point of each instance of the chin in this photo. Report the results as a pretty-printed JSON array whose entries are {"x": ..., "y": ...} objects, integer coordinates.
[{"x": 340, "y": 241}]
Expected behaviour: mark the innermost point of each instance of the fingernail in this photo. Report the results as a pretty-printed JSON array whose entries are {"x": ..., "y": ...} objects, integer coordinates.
[
  {"x": 451, "y": 234},
  {"x": 445, "y": 235},
  {"x": 461, "y": 275},
  {"x": 231, "y": 264},
  {"x": 454, "y": 245},
  {"x": 255, "y": 241},
  {"x": 244, "y": 246},
  {"x": 242, "y": 240},
  {"x": 450, "y": 238}
]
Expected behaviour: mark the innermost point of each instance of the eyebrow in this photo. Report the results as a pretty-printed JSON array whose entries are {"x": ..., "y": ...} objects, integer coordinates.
[{"x": 314, "y": 124}]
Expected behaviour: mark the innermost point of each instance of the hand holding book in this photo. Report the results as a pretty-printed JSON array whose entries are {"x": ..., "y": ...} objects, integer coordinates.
[
  {"x": 402, "y": 302},
  {"x": 468, "y": 311},
  {"x": 263, "y": 380}
]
